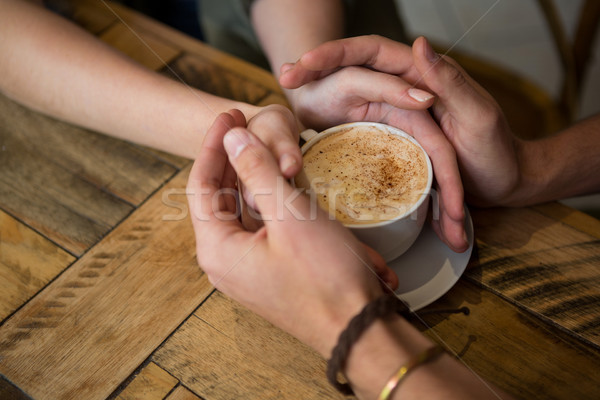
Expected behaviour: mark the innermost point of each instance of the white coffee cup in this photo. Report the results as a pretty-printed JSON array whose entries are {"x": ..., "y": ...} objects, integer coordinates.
[{"x": 390, "y": 237}]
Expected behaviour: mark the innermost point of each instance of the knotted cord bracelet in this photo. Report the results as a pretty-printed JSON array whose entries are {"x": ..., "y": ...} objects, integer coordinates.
[
  {"x": 428, "y": 355},
  {"x": 382, "y": 307}
]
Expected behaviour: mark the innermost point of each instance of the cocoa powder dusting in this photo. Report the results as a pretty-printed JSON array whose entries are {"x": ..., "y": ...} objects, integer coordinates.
[{"x": 380, "y": 178}]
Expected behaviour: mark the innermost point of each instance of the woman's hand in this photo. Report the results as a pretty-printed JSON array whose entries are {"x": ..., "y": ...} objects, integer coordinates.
[
  {"x": 302, "y": 271},
  {"x": 353, "y": 94},
  {"x": 277, "y": 128}
]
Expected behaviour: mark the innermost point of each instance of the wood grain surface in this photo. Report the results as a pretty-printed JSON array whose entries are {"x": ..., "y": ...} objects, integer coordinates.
[
  {"x": 152, "y": 383},
  {"x": 182, "y": 393},
  {"x": 511, "y": 347},
  {"x": 92, "y": 15},
  {"x": 225, "y": 351},
  {"x": 198, "y": 72},
  {"x": 88, "y": 330},
  {"x": 541, "y": 265},
  {"x": 28, "y": 262},
  {"x": 53, "y": 172},
  {"x": 140, "y": 45},
  {"x": 147, "y": 27},
  {"x": 570, "y": 216}
]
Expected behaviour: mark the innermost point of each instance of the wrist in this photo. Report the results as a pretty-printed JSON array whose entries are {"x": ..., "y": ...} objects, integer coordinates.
[
  {"x": 294, "y": 98},
  {"x": 376, "y": 356},
  {"x": 370, "y": 346},
  {"x": 301, "y": 102},
  {"x": 529, "y": 179},
  {"x": 338, "y": 320}
]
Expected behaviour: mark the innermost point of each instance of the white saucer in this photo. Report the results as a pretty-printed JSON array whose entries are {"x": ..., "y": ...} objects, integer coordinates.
[{"x": 429, "y": 268}]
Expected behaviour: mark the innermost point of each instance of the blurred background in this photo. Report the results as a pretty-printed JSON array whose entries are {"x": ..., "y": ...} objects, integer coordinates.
[
  {"x": 512, "y": 34},
  {"x": 180, "y": 14}
]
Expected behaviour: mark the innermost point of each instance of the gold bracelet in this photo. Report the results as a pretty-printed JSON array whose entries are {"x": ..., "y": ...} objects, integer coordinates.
[{"x": 428, "y": 355}]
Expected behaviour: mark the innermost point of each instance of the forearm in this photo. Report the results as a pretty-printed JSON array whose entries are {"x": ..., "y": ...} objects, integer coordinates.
[
  {"x": 53, "y": 66},
  {"x": 385, "y": 346},
  {"x": 289, "y": 28},
  {"x": 560, "y": 166}
]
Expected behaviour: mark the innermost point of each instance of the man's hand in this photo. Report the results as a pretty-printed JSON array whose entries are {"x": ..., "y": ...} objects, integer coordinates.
[{"x": 298, "y": 261}]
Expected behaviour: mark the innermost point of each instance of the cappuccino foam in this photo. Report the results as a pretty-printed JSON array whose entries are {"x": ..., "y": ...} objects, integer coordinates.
[{"x": 364, "y": 175}]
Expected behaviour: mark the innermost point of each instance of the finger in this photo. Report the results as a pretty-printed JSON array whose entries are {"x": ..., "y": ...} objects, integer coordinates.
[
  {"x": 259, "y": 172},
  {"x": 285, "y": 67},
  {"x": 228, "y": 187},
  {"x": 229, "y": 176},
  {"x": 445, "y": 168},
  {"x": 450, "y": 230},
  {"x": 449, "y": 195},
  {"x": 452, "y": 223},
  {"x": 377, "y": 87},
  {"x": 376, "y": 52},
  {"x": 230, "y": 183},
  {"x": 209, "y": 171},
  {"x": 454, "y": 233},
  {"x": 280, "y": 134},
  {"x": 212, "y": 218},
  {"x": 294, "y": 75},
  {"x": 441, "y": 153},
  {"x": 455, "y": 89}
]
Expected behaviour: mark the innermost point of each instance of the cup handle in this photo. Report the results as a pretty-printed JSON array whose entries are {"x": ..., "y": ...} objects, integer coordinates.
[{"x": 308, "y": 134}]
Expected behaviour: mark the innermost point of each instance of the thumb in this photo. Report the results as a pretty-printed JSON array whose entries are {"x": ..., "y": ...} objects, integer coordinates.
[
  {"x": 458, "y": 92},
  {"x": 258, "y": 171}
]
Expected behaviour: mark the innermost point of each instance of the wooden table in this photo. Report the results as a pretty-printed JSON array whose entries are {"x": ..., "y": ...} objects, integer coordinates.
[{"x": 101, "y": 295}]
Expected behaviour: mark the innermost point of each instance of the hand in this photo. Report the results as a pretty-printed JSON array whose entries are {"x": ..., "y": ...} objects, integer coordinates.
[
  {"x": 475, "y": 125},
  {"x": 364, "y": 94},
  {"x": 352, "y": 91},
  {"x": 468, "y": 116},
  {"x": 299, "y": 260},
  {"x": 277, "y": 128},
  {"x": 351, "y": 94}
]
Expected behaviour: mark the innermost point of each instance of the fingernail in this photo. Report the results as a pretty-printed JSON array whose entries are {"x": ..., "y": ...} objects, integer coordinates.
[
  {"x": 286, "y": 163},
  {"x": 419, "y": 95},
  {"x": 431, "y": 55},
  {"x": 235, "y": 141},
  {"x": 285, "y": 68}
]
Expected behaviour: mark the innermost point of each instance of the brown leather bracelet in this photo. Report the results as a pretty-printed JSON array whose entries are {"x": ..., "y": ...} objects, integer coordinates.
[{"x": 382, "y": 307}]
